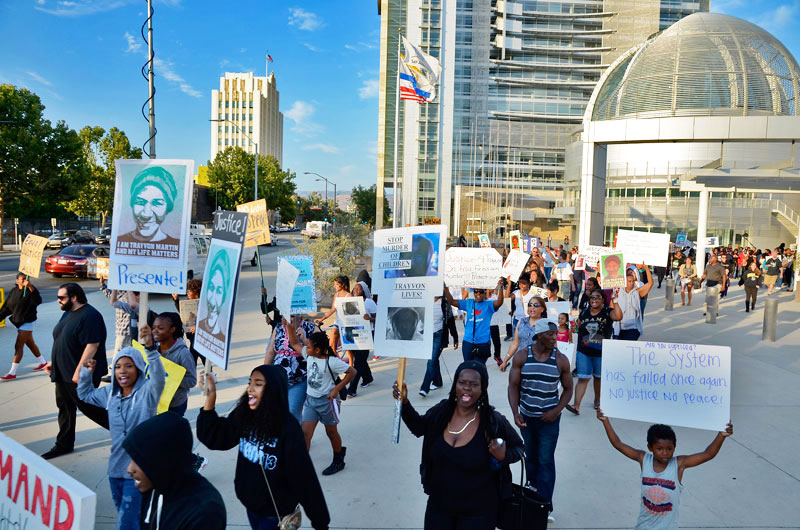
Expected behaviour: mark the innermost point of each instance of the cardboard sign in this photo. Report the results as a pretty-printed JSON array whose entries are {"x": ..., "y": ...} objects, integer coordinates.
[
  {"x": 591, "y": 254},
  {"x": 568, "y": 349},
  {"x": 30, "y": 257},
  {"x": 284, "y": 287},
  {"x": 515, "y": 237},
  {"x": 97, "y": 267},
  {"x": 650, "y": 248},
  {"x": 44, "y": 497},
  {"x": 257, "y": 222},
  {"x": 304, "y": 298},
  {"x": 150, "y": 225},
  {"x": 680, "y": 240},
  {"x": 556, "y": 308},
  {"x": 212, "y": 337},
  {"x": 408, "y": 272},
  {"x": 173, "y": 376},
  {"x": 188, "y": 310},
  {"x": 515, "y": 264},
  {"x": 539, "y": 291},
  {"x": 612, "y": 269},
  {"x": 712, "y": 242},
  {"x": 580, "y": 263},
  {"x": 354, "y": 329},
  {"x": 688, "y": 385},
  {"x": 479, "y": 268},
  {"x": 484, "y": 241}
]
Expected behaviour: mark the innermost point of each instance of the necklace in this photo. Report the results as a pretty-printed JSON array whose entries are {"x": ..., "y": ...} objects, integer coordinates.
[{"x": 464, "y": 428}]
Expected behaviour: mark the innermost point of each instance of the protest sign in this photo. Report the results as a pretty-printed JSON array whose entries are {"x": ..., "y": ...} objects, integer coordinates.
[
  {"x": 355, "y": 330},
  {"x": 568, "y": 349},
  {"x": 30, "y": 257},
  {"x": 284, "y": 287},
  {"x": 257, "y": 222},
  {"x": 680, "y": 240},
  {"x": 712, "y": 242},
  {"x": 217, "y": 297},
  {"x": 484, "y": 241},
  {"x": 97, "y": 267},
  {"x": 173, "y": 376},
  {"x": 556, "y": 308},
  {"x": 304, "y": 299},
  {"x": 188, "y": 310},
  {"x": 408, "y": 272},
  {"x": 479, "y": 268},
  {"x": 150, "y": 225},
  {"x": 44, "y": 496},
  {"x": 660, "y": 382},
  {"x": 612, "y": 273},
  {"x": 650, "y": 248},
  {"x": 535, "y": 242},
  {"x": 539, "y": 291},
  {"x": 515, "y": 264},
  {"x": 591, "y": 254},
  {"x": 515, "y": 236},
  {"x": 580, "y": 263}
]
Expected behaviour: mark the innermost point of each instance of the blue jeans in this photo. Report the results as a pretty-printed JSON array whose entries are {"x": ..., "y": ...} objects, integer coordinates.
[
  {"x": 262, "y": 522},
  {"x": 127, "y": 501},
  {"x": 297, "y": 396},
  {"x": 547, "y": 271},
  {"x": 433, "y": 374},
  {"x": 476, "y": 352},
  {"x": 540, "y": 441}
]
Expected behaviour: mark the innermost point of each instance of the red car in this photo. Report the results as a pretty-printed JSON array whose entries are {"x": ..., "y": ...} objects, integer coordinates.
[{"x": 71, "y": 260}]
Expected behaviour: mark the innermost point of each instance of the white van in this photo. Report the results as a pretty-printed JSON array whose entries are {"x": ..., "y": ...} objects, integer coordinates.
[
  {"x": 198, "y": 251},
  {"x": 316, "y": 229}
]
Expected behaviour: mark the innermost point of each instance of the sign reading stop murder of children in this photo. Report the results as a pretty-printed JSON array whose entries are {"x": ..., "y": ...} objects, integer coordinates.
[
  {"x": 479, "y": 268},
  {"x": 688, "y": 385},
  {"x": 44, "y": 497}
]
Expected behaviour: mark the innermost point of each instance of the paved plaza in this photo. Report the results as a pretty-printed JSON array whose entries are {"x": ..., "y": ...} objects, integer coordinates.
[{"x": 753, "y": 483}]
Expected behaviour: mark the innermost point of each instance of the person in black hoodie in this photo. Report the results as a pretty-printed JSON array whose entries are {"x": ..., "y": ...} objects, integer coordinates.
[
  {"x": 271, "y": 448},
  {"x": 466, "y": 451},
  {"x": 175, "y": 497},
  {"x": 21, "y": 306}
]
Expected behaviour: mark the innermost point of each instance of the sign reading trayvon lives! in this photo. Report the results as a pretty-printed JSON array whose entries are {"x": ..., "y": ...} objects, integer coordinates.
[
  {"x": 355, "y": 330},
  {"x": 44, "y": 496},
  {"x": 660, "y": 382},
  {"x": 478, "y": 268},
  {"x": 150, "y": 226},
  {"x": 304, "y": 298},
  {"x": 650, "y": 248},
  {"x": 408, "y": 272},
  {"x": 30, "y": 258},
  {"x": 257, "y": 222},
  {"x": 212, "y": 337}
]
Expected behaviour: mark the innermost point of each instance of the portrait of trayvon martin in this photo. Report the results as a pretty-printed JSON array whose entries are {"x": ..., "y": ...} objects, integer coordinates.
[
  {"x": 218, "y": 285},
  {"x": 152, "y": 198}
]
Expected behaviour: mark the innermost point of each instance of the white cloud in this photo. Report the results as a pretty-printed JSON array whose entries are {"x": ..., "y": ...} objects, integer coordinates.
[
  {"x": 165, "y": 69},
  {"x": 361, "y": 46},
  {"x": 300, "y": 113},
  {"x": 80, "y": 8},
  {"x": 369, "y": 89},
  {"x": 304, "y": 20},
  {"x": 40, "y": 79},
  {"x": 776, "y": 19},
  {"x": 726, "y": 6},
  {"x": 311, "y": 47},
  {"x": 325, "y": 148},
  {"x": 346, "y": 171},
  {"x": 133, "y": 45}
]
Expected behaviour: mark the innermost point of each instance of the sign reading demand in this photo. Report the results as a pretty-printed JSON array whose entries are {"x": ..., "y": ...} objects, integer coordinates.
[{"x": 688, "y": 385}]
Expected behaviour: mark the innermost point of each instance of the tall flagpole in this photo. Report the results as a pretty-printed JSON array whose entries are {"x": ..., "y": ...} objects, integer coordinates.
[{"x": 396, "y": 131}]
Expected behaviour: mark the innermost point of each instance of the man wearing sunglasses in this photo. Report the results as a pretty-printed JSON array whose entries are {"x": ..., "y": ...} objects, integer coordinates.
[
  {"x": 79, "y": 337},
  {"x": 477, "y": 335}
]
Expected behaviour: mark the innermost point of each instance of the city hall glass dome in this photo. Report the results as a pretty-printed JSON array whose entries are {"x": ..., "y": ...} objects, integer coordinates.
[{"x": 707, "y": 64}]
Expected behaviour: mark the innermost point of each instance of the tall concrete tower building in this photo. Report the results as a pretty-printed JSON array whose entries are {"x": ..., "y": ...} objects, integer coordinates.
[
  {"x": 252, "y": 104},
  {"x": 489, "y": 155}
]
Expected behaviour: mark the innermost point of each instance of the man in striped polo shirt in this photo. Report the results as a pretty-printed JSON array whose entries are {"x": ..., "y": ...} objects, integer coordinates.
[{"x": 533, "y": 396}]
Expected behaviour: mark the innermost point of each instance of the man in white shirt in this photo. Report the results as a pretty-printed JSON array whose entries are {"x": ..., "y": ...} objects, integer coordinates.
[{"x": 564, "y": 276}]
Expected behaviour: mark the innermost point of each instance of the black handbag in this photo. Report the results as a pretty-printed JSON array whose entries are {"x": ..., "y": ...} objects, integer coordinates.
[
  {"x": 525, "y": 509},
  {"x": 336, "y": 380}
]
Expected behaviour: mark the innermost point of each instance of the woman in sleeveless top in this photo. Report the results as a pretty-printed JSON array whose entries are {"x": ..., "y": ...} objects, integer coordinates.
[
  {"x": 280, "y": 353},
  {"x": 523, "y": 334}
]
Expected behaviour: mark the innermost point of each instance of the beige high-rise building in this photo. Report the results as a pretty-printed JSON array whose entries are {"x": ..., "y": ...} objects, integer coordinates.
[{"x": 252, "y": 104}]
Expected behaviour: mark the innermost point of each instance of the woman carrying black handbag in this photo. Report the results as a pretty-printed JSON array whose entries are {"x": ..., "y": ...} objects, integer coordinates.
[{"x": 467, "y": 448}]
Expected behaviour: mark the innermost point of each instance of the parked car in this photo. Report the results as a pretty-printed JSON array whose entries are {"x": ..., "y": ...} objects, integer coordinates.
[
  {"x": 66, "y": 238},
  {"x": 103, "y": 237},
  {"x": 71, "y": 260}
]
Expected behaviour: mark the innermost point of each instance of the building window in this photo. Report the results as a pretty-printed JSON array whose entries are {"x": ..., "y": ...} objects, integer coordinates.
[
  {"x": 251, "y": 116},
  {"x": 426, "y": 203},
  {"x": 251, "y": 129}
]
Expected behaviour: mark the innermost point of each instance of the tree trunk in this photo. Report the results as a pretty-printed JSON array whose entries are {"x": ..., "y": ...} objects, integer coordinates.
[{"x": 2, "y": 215}]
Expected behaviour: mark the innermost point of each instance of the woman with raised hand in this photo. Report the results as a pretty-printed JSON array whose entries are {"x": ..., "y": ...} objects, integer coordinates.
[{"x": 523, "y": 333}]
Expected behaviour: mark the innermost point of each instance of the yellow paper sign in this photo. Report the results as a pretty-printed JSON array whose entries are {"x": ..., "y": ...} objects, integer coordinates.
[
  {"x": 30, "y": 259},
  {"x": 97, "y": 267},
  {"x": 2, "y": 301},
  {"x": 257, "y": 222},
  {"x": 174, "y": 376}
]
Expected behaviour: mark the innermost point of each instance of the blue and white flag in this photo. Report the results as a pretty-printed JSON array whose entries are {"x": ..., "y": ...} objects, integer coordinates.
[{"x": 419, "y": 73}]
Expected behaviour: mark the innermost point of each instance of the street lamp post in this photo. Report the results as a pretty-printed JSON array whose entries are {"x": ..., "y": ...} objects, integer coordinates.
[{"x": 326, "y": 190}]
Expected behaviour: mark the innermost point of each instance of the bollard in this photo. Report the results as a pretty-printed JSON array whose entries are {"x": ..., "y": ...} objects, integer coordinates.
[
  {"x": 712, "y": 304},
  {"x": 669, "y": 298},
  {"x": 769, "y": 331}
]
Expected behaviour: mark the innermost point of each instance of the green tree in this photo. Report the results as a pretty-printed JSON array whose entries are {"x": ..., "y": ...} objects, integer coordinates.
[
  {"x": 41, "y": 165},
  {"x": 101, "y": 148},
  {"x": 232, "y": 173},
  {"x": 365, "y": 201}
]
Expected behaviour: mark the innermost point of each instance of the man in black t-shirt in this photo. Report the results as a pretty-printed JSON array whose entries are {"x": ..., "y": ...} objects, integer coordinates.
[
  {"x": 772, "y": 268},
  {"x": 78, "y": 337}
]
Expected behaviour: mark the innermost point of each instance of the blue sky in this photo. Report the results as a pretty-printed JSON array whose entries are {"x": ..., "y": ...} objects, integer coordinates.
[{"x": 83, "y": 58}]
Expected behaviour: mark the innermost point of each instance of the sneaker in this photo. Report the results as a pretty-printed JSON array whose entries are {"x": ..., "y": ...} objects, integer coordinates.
[
  {"x": 200, "y": 463},
  {"x": 508, "y": 339},
  {"x": 8, "y": 377},
  {"x": 352, "y": 394},
  {"x": 376, "y": 358},
  {"x": 498, "y": 360},
  {"x": 56, "y": 451},
  {"x": 423, "y": 393},
  {"x": 550, "y": 518},
  {"x": 365, "y": 385},
  {"x": 434, "y": 387},
  {"x": 40, "y": 367}
]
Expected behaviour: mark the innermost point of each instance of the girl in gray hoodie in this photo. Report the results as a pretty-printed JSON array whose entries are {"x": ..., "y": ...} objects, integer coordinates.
[{"x": 131, "y": 398}]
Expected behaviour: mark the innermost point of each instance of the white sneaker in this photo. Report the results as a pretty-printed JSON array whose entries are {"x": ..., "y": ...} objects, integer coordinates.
[
  {"x": 423, "y": 393},
  {"x": 434, "y": 387},
  {"x": 550, "y": 518}
]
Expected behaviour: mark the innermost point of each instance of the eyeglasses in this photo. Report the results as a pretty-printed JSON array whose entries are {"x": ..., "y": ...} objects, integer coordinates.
[
  {"x": 534, "y": 304},
  {"x": 596, "y": 297},
  {"x": 62, "y": 297}
]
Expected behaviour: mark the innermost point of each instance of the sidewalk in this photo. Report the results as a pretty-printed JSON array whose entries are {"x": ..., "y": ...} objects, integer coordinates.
[{"x": 753, "y": 483}]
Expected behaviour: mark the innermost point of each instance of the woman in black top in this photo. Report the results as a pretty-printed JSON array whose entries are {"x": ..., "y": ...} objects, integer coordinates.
[
  {"x": 21, "y": 306},
  {"x": 466, "y": 450}
]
